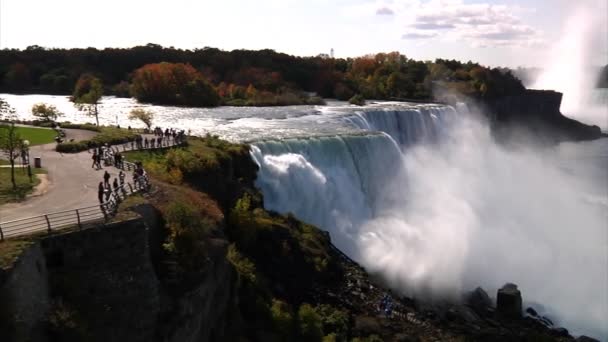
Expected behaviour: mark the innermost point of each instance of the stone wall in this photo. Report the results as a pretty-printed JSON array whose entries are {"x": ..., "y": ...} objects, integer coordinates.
[
  {"x": 105, "y": 278},
  {"x": 102, "y": 284},
  {"x": 24, "y": 298}
]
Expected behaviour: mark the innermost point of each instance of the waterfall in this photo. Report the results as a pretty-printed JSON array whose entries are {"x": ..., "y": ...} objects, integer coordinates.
[
  {"x": 334, "y": 182},
  {"x": 408, "y": 126},
  {"x": 436, "y": 207}
]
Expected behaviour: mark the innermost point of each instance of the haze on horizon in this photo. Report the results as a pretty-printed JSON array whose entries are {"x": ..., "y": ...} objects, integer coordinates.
[{"x": 508, "y": 33}]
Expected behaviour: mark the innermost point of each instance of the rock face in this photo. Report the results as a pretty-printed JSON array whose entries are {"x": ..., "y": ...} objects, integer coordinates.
[
  {"x": 536, "y": 113},
  {"x": 100, "y": 284},
  {"x": 508, "y": 301}
]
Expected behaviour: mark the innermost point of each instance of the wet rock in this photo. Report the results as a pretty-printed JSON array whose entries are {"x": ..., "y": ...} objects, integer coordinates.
[
  {"x": 479, "y": 301},
  {"x": 562, "y": 332},
  {"x": 584, "y": 338},
  {"x": 508, "y": 301},
  {"x": 462, "y": 313},
  {"x": 532, "y": 312}
]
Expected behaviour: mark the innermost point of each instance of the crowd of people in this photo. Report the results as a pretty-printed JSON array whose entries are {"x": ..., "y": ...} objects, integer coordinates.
[
  {"x": 162, "y": 138},
  {"x": 118, "y": 186},
  {"x": 106, "y": 155},
  {"x": 109, "y": 157}
]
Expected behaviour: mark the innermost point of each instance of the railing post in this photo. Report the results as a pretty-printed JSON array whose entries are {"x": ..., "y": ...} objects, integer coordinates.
[
  {"x": 78, "y": 218},
  {"x": 1, "y": 234},
  {"x": 48, "y": 223}
]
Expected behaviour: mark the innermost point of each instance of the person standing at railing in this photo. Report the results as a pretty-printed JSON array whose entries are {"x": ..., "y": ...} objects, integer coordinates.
[
  {"x": 94, "y": 159},
  {"x": 115, "y": 186},
  {"x": 107, "y": 190},
  {"x": 106, "y": 178},
  {"x": 100, "y": 191}
]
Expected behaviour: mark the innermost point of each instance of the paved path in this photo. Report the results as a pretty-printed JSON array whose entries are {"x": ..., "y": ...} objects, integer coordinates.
[{"x": 72, "y": 182}]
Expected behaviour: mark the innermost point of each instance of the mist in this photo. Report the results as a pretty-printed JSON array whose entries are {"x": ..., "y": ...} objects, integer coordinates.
[
  {"x": 480, "y": 214},
  {"x": 572, "y": 65}
]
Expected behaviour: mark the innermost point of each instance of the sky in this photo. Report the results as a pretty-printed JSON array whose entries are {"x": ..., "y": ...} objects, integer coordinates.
[{"x": 508, "y": 33}]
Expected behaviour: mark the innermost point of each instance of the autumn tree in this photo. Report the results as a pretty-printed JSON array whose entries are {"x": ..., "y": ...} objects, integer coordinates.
[
  {"x": 173, "y": 83},
  {"x": 142, "y": 115},
  {"x": 87, "y": 95},
  {"x": 45, "y": 112}
]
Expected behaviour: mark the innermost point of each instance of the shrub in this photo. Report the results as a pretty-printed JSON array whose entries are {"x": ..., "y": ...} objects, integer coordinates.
[
  {"x": 358, "y": 100},
  {"x": 282, "y": 319},
  {"x": 187, "y": 234},
  {"x": 334, "y": 321},
  {"x": 72, "y": 147},
  {"x": 244, "y": 266},
  {"x": 311, "y": 328},
  {"x": 107, "y": 135}
]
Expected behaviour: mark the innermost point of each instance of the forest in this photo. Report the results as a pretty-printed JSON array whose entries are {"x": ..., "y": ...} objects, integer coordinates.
[{"x": 210, "y": 76}]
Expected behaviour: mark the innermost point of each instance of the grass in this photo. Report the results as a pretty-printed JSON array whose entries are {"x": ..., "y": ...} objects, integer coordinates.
[
  {"x": 10, "y": 250},
  {"x": 36, "y": 136},
  {"x": 24, "y": 187}
]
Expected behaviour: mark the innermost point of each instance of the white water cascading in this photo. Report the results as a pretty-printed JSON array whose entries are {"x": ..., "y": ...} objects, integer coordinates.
[{"x": 439, "y": 208}]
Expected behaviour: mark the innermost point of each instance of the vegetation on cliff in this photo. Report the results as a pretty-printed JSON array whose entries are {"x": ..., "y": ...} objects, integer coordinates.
[{"x": 209, "y": 76}]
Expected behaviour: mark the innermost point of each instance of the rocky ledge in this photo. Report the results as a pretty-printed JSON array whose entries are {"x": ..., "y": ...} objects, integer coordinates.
[
  {"x": 537, "y": 114},
  {"x": 378, "y": 311}
]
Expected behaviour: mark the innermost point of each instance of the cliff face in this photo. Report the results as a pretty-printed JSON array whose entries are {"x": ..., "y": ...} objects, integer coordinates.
[
  {"x": 537, "y": 112},
  {"x": 101, "y": 285}
]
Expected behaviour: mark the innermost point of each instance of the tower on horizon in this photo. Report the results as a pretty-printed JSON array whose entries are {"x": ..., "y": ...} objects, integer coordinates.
[{"x": 331, "y": 53}]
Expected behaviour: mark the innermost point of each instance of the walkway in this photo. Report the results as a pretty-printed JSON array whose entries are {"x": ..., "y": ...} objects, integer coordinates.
[{"x": 72, "y": 182}]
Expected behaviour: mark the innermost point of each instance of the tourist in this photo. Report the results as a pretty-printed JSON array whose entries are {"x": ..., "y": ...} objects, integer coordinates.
[
  {"x": 121, "y": 176},
  {"x": 106, "y": 178},
  {"x": 146, "y": 142},
  {"x": 100, "y": 191},
  {"x": 94, "y": 159},
  {"x": 115, "y": 185},
  {"x": 98, "y": 161},
  {"x": 108, "y": 190}
]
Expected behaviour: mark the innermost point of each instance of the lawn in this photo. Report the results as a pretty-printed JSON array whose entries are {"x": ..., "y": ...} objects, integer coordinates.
[
  {"x": 24, "y": 187},
  {"x": 36, "y": 136}
]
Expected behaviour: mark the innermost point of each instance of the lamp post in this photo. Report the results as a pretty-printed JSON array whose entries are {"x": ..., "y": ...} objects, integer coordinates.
[{"x": 25, "y": 155}]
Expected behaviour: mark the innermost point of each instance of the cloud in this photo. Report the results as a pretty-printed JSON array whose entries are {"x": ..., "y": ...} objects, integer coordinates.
[
  {"x": 433, "y": 26},
  {"x": 384, "y": 11},
  {"x": 418, "y": 35},
  {"x": 479, "y": 24}
]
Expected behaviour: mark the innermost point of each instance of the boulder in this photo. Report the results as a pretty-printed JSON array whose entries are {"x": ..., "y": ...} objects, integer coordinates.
[
  {"x": 508, "y": 301},
  {"x": 479, "y": 301},
  {"x": 532, "y": 312},
  {"x": 562, "y": 332}
]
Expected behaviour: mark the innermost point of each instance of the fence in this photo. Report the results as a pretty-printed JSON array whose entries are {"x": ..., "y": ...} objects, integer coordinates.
[{"x": 80, "y": 218}]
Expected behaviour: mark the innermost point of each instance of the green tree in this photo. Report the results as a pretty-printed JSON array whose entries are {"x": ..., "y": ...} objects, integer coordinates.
[
  {"x": 45, "y": 112},
  {"x": 142, "y": 115},
  {"x": 87, "y": 95},
  {"x": 5, "y": 109},
  {"x": 11, "y": 144}
]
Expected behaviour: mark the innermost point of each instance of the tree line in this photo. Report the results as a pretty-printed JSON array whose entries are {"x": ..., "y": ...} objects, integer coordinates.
[{"x": 210, "y": 76}]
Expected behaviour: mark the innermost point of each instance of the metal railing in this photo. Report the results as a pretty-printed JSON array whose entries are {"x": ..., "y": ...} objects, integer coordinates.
[{"x": 80, "y": 218}]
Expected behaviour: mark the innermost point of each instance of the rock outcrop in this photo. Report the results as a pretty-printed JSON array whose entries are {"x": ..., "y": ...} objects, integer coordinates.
[
  {"x": 508, "y": 301},
  {"x": 536, "y": 113}
]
